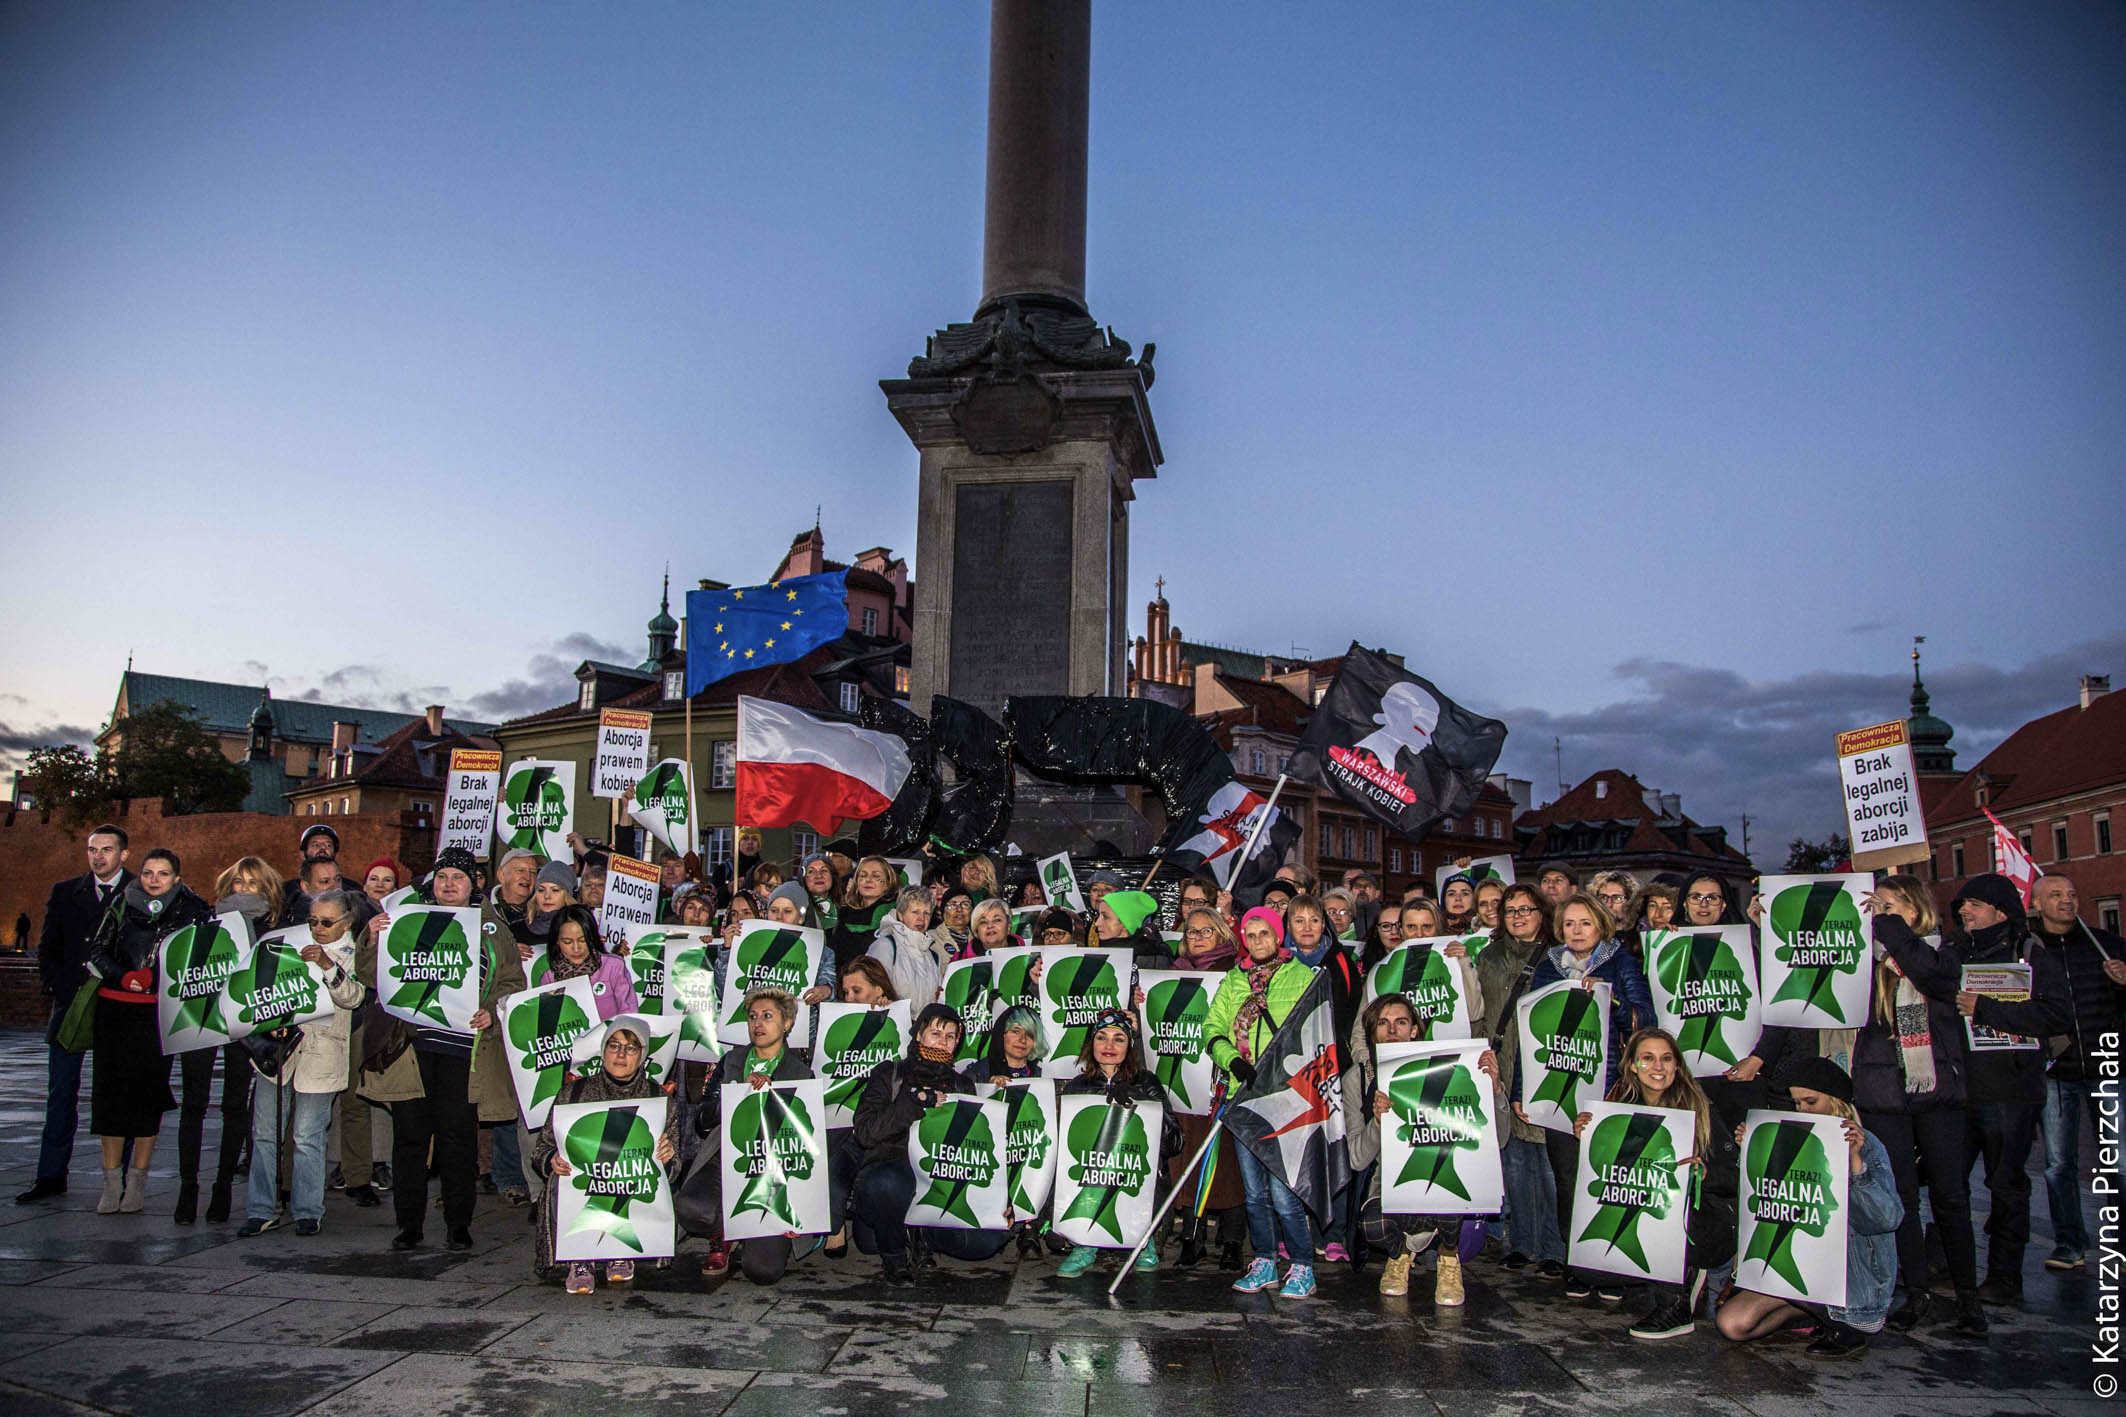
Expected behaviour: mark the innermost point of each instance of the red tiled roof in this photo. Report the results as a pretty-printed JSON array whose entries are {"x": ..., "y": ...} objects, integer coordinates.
[
  {"x": 1264, "y": 705},
  {"x": 2073, "y": 750},
  {"x": 1613, "y": 795}
]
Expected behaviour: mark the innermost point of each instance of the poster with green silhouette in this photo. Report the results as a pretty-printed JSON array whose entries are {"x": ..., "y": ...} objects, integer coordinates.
[
  {"x": 1439, "y": 1150},
  {"x": 1795, "y": 1174},
  {"x": 1630, "y": 1196},
  {"x": 854, "y": 1039},
  {"x": 1564, "y": 1031},
  {"x": 1029, "y": 1141},
  {"x": 1075, "y": 985},
  {"x": 616, "y": 1201},
  {"x": 536, "y": 808},
  {"x": 543, "y": 1033},
  {"x": 957, "y": 1152},
  {"x": 1014, "y": 981},
  {"x": 1817, "y": 960},
  {"x": 770, "y": 955},
  {"x": 1107, "y": 1155},
  {"x": 427, "y": 967},
  {"x": 774, "y": 1159},
  {"x": 1704, "y": 983},
  {"x": 192, "y": 976},
  {"x": 275, "y": 987},
  {"x": 690, "y": 989},
  {"x": 1173, "y": 1023},
  {"x": 1433, "y": 981},
  {"x": 969, "y": 990}
]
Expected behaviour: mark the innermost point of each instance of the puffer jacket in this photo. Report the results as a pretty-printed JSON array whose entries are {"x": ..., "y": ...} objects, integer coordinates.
[
  {"x": 2015, "y": 1075},
  {"x": 1878, "y": 1067},
  {"x": 1286, "y": 986}
]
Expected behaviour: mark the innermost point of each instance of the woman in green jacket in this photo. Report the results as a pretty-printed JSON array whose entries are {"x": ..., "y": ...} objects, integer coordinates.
[{"x": 1252, "y": 1000}]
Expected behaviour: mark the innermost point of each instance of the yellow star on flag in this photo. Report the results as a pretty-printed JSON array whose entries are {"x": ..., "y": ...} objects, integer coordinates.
[
  {"x": 790, "y": 594},
  {"x": 749, "y": 654},
  {"x": 719, "y": 629},
  {"x": 768, "y": 644},
  {"x": 785, "y": 624},
  {"x": 739, "y": 595}
]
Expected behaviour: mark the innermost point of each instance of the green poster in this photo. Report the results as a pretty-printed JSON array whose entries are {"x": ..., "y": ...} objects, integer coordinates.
[
  {"x": 774, "y": 1158},
  {"x": 616, "y": 1201},
  {"x": 1177, "y": 1007},
  {"x": 768, "y": 954},
  {"x": 1439, "y": 1142},
  {"x": 960, "y": 1175},
  {"x": 969, "y": 991},
  {"x": 192, "y": 978},
  {"x": 854, "y": 1039},
  {"x": 1630, "y": 1206},
  {"x": 1423, "y": 972},
  {"x": 1704, "y": 983},
  {"x": 426, "y": 969},
  {"x": 1075, "y": 985},
  {"x": 276, "y": 987},
  {"x": 690, "y": 990},
  {"x": 543, "y": 1030},
  {"x": 1794, "y": 1185},
  {"x": 536, "y": 808},
  {"x": 1817, "y": 960},
  {"x": 1106, "y": 1162},
  {"x": 1564, "y": 1051}
]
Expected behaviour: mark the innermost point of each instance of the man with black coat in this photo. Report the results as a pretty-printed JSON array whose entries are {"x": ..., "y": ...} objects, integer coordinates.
[
  {"x": 71, "y": 915},
  {"x": 2094, "y": 962},
  {"x": 317, "y": 843},
  {"x": 2006, "y": 1086}
]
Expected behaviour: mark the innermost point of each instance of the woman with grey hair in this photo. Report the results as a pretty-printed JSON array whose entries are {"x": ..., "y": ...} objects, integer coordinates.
[{"x": 913, "y": 958}]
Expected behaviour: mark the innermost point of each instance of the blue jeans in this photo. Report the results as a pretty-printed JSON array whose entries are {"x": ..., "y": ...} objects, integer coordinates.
[
  {"x": 2064, "y": 1104},
  {"x": 311, "y": 1113},
  {"x": 62, "y": 1112},
  {"x": 508, "y": 1169},
  {"x": 1274, "y": 1213},
  {"x": 1531, "y": 1201}
]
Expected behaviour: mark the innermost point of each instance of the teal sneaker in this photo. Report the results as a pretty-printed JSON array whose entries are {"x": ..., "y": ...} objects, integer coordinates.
[
  {"x": 1261, "y": 1275},
  {"x": 1079, "y": 1260},
  {"x": 1149, "y": 1257},
  {"x": 1298, "y": 1282}
]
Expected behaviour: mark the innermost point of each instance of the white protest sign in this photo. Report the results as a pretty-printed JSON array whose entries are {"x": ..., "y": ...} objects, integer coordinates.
[
  {"x": 2010, "y": 983},
  {"x": 1817, "y": 964},
  {"x": 1172, "y": 1022},
  {"x": 774, "y": 1159},
  {"x": 630, "y": 904},
  {"x": 1631, "y": 1193},
  {"x": 623, "y": 752},
  {"x": 969, "y": 990},
  {"x": 1479, "y": 870},
  {"x": 1060, "y": 883},
  {"x": 1422, "y": 971},
  {"x": 1795, "y": 1178},
  {"x": 1704, "y": 983},
  {"x": 1439, "y": 1150},
  {"x": 428, "y": 967},
  {"x": 1076, "y": 984},
  {"x": 690, "y": 990},
  {"x": 1879, "y": 783},
  {"x": 469, "y": 796},
  {"x": 1107, "y": 1158},
  {"x": 276, "y": 987},
  {"x": 542, "y": 1032},
  {"x": 538, "y": 804},
  {"x": 616, "y": 1201},
  {"x": 663, "y": 802},
  {"x": 956, "y": 1150},
  {"x": 1030, "y": 1141},
  {"x": 854, "y": 1039},
  {"x": 1564, "y": 1030},
  {"x": 771, "y": 955},
  {"x": 193, "y": 969}
]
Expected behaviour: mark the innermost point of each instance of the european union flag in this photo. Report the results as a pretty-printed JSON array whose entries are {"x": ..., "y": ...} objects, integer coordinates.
[{"x": 751, "y": 627}]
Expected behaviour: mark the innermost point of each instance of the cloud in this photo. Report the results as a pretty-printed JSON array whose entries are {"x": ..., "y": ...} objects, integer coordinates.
[
  {"x": 14, "y": 741},
  {"x": 549, "y": 679},
  {"x": 1867, "y": 627},
  {"x": 1732, "y": 745}
]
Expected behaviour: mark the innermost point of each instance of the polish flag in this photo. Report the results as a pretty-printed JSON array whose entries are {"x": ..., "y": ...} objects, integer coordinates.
[
  {"x": 2012, "y": 861},
  {"x": 795, "y": 768}
]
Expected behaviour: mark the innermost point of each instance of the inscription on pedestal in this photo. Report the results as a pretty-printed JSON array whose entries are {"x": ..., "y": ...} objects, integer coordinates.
[{"x": 1011, "y": 573}]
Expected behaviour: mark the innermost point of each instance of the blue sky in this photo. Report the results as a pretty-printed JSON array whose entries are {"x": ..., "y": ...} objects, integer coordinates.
[{"x": 1647, "y": 374}]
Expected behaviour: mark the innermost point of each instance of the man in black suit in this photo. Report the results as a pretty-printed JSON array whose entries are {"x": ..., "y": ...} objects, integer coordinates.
[{"x": 70, "y": 919}]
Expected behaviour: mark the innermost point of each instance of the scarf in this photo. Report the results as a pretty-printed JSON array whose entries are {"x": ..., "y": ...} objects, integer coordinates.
[
  {"x": 1573, "y": 966},
  {"x": 1257, "y": 1002},
  {"x": 557, "y": 965},
  {"x": 936, "y": 1055},
  {"x": 1915, "y": 1034}
]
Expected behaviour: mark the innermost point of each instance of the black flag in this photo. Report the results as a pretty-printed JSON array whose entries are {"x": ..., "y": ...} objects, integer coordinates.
[
  {"x": 904, "y": 826},
  {"x": 974, "y": 812},
  {"x": 1391, "y": 743}
]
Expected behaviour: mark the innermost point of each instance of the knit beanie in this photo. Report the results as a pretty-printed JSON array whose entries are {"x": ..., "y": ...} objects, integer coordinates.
[
  {"x": 556, "y": 873},
  {"x": 1132, "y": 908},
  {"x": 1821, "y": 1075},
  {"x": 1994, "y": 890}
]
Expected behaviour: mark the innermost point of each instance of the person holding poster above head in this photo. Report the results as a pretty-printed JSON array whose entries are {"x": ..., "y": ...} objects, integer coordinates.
[
  {"x": 619, "y": 1076},
  {"x": 1250, "y": 1004},
  {"x": 1821, "y": 1088},
  {"x": 896, "y": 1096},
  {"x": 770, "y": 1015},
  {"x": 1112, "y": 1066},
  {"x": 2007, "y": 1078},
  {"x": 1654, "y": 1076},
  {"x": 1590, "y": 954},
  {"x": 129, "y": 1088},
  {"x": 1909, "y": 1089}
]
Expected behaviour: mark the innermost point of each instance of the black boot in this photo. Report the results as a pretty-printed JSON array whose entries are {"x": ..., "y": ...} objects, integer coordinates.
[
  {"x": 1913, "y": 1312},
  {"x": 187, "y": 1202},
  {"x": 2002, "y": 1289},
  {"x": 217, "y": 1203},
  {"x": 1191, "y": 1242},
  {"x": 1229, "y": 1257},
  {"x": 1029, "y": 1240},
  {"x": 896, "y": 1268},
  {"x": 1970, "y": 1314}
]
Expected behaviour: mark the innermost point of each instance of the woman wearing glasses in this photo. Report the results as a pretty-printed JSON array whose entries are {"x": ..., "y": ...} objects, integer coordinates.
[
  {"x": 1503, "y": 970},
  {"x": 1207, "y": 943},
  {"x": 297, "y": 1095},
  {"x": 1748, "y": 1083}
]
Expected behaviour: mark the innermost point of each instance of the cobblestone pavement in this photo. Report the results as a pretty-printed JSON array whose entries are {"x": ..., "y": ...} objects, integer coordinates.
[{"x": 139, "y": 1314}]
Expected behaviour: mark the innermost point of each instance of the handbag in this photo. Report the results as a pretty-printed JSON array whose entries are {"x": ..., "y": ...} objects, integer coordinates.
[{"x": 77, "y": 1027}]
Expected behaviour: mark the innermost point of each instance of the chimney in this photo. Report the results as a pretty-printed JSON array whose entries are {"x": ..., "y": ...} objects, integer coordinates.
[
  {"x": 2094, "y": 687},
  {"x": 343, "y": 736},
  {"x": 434, "y": 714},
  {"x": 1671, "y": 804}
]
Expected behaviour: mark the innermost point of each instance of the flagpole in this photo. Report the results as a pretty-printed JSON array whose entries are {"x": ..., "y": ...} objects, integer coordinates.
[
  {"x": 1129, "y": 1261},
  {"x": 1262, "y": 820}
]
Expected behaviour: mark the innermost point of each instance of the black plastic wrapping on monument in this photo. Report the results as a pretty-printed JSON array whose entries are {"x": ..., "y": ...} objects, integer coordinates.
[
  {"x": 1388, "y": 741},
  {"x": 1096, "y": 739},
  {"x": 902, "y": 828},
  {"x": 974, "y": 813}
]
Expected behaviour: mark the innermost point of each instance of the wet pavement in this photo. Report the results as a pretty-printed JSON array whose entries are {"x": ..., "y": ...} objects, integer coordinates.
[{"x": 137, "y": 1314}]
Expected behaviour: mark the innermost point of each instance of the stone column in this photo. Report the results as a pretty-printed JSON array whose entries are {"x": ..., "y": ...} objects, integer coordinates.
[{"x": 1033, "y": 231}]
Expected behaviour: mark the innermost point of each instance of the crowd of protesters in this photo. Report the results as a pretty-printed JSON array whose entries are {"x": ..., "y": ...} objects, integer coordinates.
[{"x": 1919, "y": 1108}]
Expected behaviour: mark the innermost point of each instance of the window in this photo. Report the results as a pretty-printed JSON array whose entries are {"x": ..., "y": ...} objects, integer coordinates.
[
  {"x": 587, "y": 696},
  {"x": 422, "y": 811},
  {"x": 1328, "y": 838},
  {"x": 722, "y": 761},
  {"x": 2103, "y": 833},
  {"x": 2059, "y": 841},
  {"x": 1372, "y": 844},
  {"x": 1255, "y": 761},
  {"x": 870, "y": 622},
  {"x": 852, "y": 695},
  {"x": 719, "y": 844},
  {"x": 1956, "y": 859},
  {"x": 802, "y": 844},
  {"x": 2107, "y": 914},
  {"x": 1395, "y": 858},
  {"x": 1350, "y": 843},
  {"x": 900, "y": 680},
  {"x": 328, "y": 806},
  {"x": 2023, "y": 835},
  {"x": 346, "y": 807},
  {"x": 675, "y": 685}
]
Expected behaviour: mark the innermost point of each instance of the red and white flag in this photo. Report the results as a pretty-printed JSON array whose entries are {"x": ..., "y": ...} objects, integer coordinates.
[
  {"x": 795, "y": 768},
  {"x": 2012, "y": 861}
]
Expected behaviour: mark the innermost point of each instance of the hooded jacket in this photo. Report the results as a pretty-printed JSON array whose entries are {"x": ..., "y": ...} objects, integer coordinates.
[
  {"x": 2015, "y": 1075},
  {"x": 1878, "y": 1069}
]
